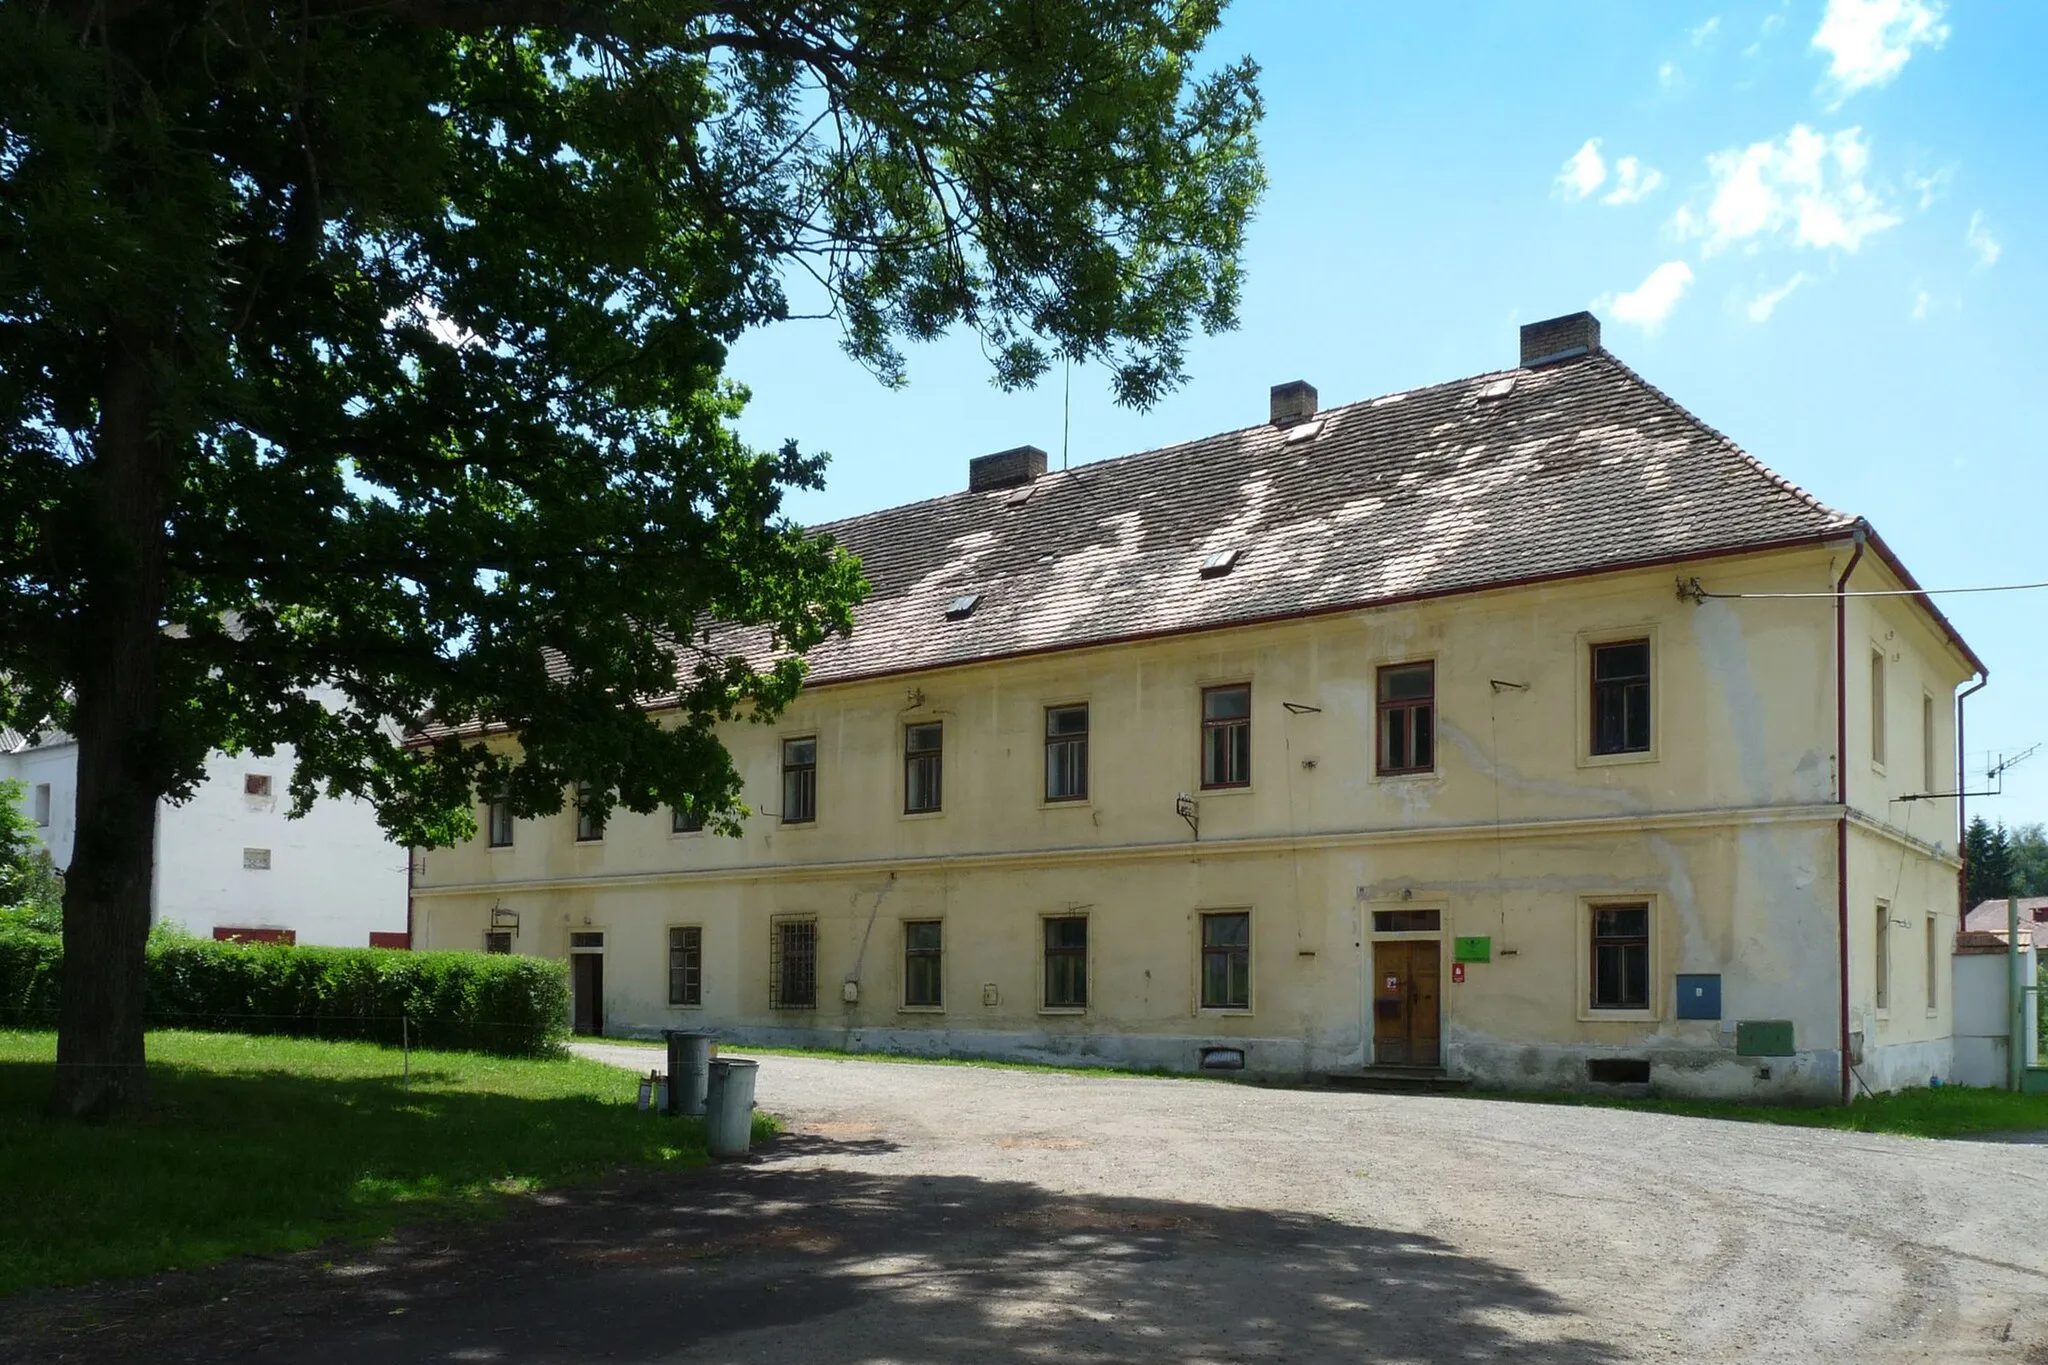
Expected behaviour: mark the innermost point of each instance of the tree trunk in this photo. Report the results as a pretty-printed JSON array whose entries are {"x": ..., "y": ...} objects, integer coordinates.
[{"x": 100, "y": 1064}]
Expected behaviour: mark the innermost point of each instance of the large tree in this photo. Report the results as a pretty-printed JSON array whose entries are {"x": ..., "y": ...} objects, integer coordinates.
[
  {"x": 379, "y": 345},
  {"x": 1987, "y": 862}
]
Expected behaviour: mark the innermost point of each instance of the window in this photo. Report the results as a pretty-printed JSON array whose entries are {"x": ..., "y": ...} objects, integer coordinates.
[
  {"x": 1066, "y": 753},
  {"x": 1227, "y": 736},
  {"x": 799, "y": 781},
  {"x": 1933, "y": 922},
  {"x": 255, "y": 784},
  {"x": 1927, "y": 780},
  {"x": 1407, "y": 718},
  {"x": 923, "y": 766},
  {"x": 1877, "y": 707},
  {"x": 686, "y": 966},
  {"x": 41, "y": 802},
  {"x": 500, "y": 823},
  {"x": 923, "y": 940},
  {"x": 1621, "y": 697},
  {"x": 1621, "y": 957},
  {"x": 497, "y": 940},
  {"x": 1407, "y": 921},
  {"x": 589, "y": 823},
  {"x": 256, "y": 859},
  {"x": 1066, "y": 962},
  {"x": 1227, "y": 961},
  {"x": 1882, "y": 969},
  {"x": 793, "y": 965},
  {"x": 685, "y": 820}
]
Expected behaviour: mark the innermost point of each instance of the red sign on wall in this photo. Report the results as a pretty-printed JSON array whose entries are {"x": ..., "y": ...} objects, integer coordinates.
[{"x": 1457, "y": 971}]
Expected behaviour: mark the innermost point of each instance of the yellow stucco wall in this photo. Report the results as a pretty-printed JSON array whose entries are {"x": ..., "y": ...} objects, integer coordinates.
[{"x": 1727, "y": 829}]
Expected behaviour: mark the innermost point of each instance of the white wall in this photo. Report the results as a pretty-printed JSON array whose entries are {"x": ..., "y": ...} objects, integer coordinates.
[
  {"x": 1983, "y": 1020},
  {"x": 55, "y": 762},
  {"x": 333, "y": 876}
]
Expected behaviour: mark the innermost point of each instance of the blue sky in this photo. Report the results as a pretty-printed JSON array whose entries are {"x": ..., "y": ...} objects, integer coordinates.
[{"x": 1815, "y": 224}]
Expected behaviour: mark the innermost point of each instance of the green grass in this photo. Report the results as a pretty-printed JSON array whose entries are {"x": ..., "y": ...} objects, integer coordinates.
[
  {"x": 1952, "y": 1111},
  {"x": 255, "y": 1145},
  {"x": 909, "y": 1059}
]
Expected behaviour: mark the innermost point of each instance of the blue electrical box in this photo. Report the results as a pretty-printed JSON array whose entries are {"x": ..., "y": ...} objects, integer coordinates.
[{"x": 1699, "y": 996}]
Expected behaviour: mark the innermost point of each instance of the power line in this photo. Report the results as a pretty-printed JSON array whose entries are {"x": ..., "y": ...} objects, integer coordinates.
[{"x": 1697, "y": 593}]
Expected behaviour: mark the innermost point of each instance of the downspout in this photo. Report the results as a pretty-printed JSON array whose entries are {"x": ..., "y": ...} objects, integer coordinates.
[
  {"x": 1842, "y": 794},
  {"x": 409, "y": 852},
  {"x": 1962, "y": 806}
]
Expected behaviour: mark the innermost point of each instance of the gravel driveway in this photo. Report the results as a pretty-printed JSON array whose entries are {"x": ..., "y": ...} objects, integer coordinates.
[
  {"x": 942, "y": 1214},
  {"x": 1053, "y": 1217}
]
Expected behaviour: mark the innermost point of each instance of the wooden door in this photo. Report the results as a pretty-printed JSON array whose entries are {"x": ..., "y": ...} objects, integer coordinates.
[
  {"x": 1407, "y": 1027},
  {"x": 586, "y": 979}
]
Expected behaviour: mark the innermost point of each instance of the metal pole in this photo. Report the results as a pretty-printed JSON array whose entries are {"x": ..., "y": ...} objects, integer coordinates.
[
  {"x": 2015, "y": 994},
  {"x": 405, "y": 1041}
]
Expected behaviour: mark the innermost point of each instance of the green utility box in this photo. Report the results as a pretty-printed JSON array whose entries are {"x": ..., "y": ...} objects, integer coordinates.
[
  {"x": 1763, "y": 1038},
  {"x": 1473, "y": 948}
]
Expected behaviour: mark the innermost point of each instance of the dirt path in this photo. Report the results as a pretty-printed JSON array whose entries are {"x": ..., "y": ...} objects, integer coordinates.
[{"x": 932, "y": 1214}]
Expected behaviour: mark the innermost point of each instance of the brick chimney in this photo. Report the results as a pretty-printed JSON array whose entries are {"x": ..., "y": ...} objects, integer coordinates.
[
  {"x": 1005, "y": 469},
  {"x": 1555, "y": 339},
  {"x": 1294, "y": 401}
]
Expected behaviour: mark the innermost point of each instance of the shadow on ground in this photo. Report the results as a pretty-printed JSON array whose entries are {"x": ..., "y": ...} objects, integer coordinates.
[{"x": 761, "y": 1262}]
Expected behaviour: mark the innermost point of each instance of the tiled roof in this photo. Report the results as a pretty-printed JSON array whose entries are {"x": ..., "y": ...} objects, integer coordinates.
[
  {"x": 1577, "y": 467},
  {"x": 1989, "y": 916}
]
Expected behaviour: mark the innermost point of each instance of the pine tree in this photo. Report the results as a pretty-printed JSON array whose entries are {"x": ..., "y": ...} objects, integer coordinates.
[{"x": 1987, "y": 859}]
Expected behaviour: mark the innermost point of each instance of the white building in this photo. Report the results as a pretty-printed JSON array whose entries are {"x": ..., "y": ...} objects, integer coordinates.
[{"x": 229, "y": 863}]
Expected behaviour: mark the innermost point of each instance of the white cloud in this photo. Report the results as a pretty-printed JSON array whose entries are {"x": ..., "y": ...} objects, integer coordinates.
[
  {"x": 1923, "y": 304},
  {"x": 1668, "y": 76},
  {"x": 1771, "y": 24},
  {"x": 1633, "y": 182},
  {"x": 1981, "y": 241},
  {"x": 1808, "y": 186},
  {"x": 1649, "y": 303},
  {"x": 1700, "y": 35},
  {"x": 1930, "y": 187},
  {"x": 1585, "y": 172},
  {"x": 1869, "y": 41},
  {"x": 1763, "y": 305}
]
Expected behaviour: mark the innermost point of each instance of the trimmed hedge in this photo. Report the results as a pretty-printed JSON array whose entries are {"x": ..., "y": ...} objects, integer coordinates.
[{"x": 475, "y": 1002}]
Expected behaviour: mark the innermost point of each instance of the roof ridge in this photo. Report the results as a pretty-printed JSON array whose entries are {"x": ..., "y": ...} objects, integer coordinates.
[
  {"x": 1726, "y": 441},
  {"x": 1176, "y": 446}
]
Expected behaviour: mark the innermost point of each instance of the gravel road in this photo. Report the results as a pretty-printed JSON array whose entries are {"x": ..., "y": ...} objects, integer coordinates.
[
  {"x": 1136, "y": 1219},
  {"x": 929, "y": 1214}
]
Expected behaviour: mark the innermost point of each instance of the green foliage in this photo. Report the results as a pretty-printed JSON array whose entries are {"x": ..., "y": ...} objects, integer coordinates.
[
  {"x": 471, "y": 1001},
  {"x": 262, "y": 1145},
  {"x": 412, "y": 319},
  {"x": 1987, "y": 854},
  {"x": 2027, "y": 854}
]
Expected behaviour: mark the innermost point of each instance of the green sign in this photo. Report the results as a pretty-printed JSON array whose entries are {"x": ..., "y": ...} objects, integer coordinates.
[{"x": 1477, "y": 948}]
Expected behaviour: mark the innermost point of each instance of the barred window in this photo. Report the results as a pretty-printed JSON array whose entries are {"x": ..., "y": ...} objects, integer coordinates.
[
  {"x": 1066, "y": 962},
  {"x": 1621, "y": 957},
  {"x": 923, "y": 942},
  {"x": 686, "y": 965},
  {"x": 1227, "y": 961},
  {"x": 497, "y": 940},
  {"x": 793, "y": 963}
]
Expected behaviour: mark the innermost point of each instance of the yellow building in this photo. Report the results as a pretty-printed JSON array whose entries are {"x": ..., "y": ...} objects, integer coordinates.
[{"x": 1498, "y": 726}]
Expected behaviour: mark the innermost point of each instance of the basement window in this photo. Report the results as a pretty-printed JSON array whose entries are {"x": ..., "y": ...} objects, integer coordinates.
[
  {"x": 1618, "y": 1070},
  {"x": 963, "y": 606},
  {"x": 497, "y": 940},
  {"x": 1220, "y": 563}
]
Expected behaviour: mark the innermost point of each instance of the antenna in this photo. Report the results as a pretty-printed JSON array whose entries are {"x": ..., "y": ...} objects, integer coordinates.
[{"x": 1993, "y": 775}]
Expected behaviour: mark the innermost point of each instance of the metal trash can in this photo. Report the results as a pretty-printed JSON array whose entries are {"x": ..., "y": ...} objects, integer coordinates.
[
  {"x": 729, "y": 1108},
  {"x": 689, "y": 1069}
]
